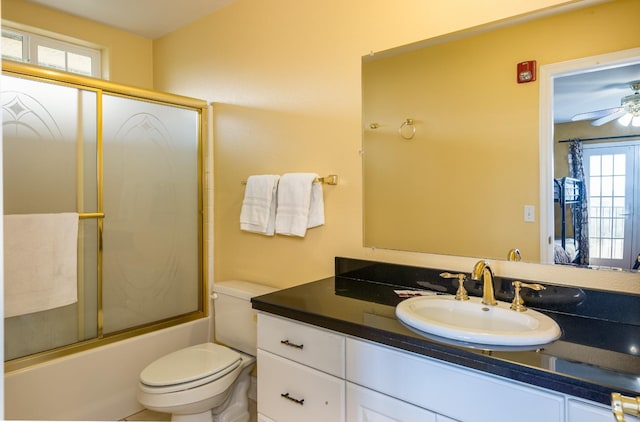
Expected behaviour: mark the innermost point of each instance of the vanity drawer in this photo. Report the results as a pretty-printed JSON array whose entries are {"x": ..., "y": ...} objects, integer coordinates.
[
  {"x": 288, "y": 391},
  {"x": 443, "y": 388},
  {"x": 312, "y": 346}
]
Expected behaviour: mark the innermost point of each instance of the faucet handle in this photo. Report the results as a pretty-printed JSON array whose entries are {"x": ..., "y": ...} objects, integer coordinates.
[
  {"x": 622, "y": 404},
  {"x": 461, "y": 294},
  {"x": 518, "y": 304}
]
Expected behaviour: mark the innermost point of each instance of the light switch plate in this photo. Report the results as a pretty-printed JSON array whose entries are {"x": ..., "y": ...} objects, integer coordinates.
[{"x": 529, "y": 213}]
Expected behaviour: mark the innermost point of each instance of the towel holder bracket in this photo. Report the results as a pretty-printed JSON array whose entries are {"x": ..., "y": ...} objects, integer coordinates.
[{"x": 331, "y": 179}]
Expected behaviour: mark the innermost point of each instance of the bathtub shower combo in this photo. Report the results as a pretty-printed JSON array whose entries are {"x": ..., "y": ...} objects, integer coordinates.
[{"x": 103, "y": 212}]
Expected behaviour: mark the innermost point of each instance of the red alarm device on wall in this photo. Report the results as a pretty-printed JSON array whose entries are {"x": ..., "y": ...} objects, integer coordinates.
[{"x": 526, "y": 71}]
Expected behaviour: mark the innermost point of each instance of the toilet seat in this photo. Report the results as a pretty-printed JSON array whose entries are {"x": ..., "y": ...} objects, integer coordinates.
[{"x": 189, "y": 368}]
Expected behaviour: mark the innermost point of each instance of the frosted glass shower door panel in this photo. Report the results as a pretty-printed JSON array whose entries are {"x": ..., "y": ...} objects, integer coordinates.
[
  {"x": 49, "y": 165},
  {"x": 151, "y": 263},
  {"x": 45, "y": 127}
]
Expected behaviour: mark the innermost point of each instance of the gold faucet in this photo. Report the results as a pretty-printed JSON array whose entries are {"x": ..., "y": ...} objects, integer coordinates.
[
  {"x": 482, "y": 270},
  {"x": 514, "y": 255}
]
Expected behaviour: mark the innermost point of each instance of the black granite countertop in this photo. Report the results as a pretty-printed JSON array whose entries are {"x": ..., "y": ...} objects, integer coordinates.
[{"x": 597, "y": 354}]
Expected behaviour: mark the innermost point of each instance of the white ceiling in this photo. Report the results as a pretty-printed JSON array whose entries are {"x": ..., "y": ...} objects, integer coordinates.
[
  {"x": 592, "y": 91},
  {"x": 154, "y": 18},
  {"x": 147, "y": 18}
]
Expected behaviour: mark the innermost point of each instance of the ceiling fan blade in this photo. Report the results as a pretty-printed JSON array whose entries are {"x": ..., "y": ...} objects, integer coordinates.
[
  {"x": 610, "y": 117},
  {"x": 595, "y": 114}
]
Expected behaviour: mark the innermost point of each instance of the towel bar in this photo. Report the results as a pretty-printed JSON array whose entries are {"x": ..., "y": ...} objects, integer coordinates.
[
  {"x": 331, "y": 179},
  {"x": 84, "y": 215}
]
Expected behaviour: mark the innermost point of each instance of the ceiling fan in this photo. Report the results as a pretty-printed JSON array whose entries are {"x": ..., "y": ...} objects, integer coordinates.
[{"x": 627, "y": 113}]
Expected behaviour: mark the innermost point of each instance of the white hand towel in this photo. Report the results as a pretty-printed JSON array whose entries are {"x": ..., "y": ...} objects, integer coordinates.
[
  {"x": 300, "y": 204},
  {"x": 40, "y": 262},
  {"x": 258, "y": 213}
]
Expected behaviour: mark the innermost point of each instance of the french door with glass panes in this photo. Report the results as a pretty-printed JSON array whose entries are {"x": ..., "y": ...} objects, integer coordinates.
[{"x": 612, "y": 176}]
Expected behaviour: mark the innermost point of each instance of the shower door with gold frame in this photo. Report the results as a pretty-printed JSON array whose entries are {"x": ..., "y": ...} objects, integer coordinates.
[{"x": 129, "y": 162}]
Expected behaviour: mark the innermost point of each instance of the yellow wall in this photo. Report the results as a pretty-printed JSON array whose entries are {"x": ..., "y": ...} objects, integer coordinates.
[
  {"x": 130, "y": 56},
  {"x": 285, "y": 77}
]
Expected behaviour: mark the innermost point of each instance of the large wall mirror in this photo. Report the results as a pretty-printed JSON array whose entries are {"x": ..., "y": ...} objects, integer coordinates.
[{"x": 451, "y": 140}]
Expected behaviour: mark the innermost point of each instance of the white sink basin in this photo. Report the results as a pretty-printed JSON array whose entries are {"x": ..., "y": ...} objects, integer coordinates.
[{"x": 471, "y": 321}]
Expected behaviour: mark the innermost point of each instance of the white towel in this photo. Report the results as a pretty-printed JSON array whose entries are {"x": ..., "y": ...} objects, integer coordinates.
[
  {"x": 40, "y": 262},
  {"x": 258, "y": 213},
  {"x": 300, "y": 204}
]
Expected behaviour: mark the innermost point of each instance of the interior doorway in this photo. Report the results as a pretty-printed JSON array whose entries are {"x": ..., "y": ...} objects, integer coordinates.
[{"x": 612, "y": 236}]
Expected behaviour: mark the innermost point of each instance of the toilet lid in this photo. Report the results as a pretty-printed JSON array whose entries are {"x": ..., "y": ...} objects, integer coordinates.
[{"x": 203, "y": 361}]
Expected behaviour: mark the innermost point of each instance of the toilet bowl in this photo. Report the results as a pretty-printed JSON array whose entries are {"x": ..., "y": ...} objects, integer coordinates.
[
  {"x": 190, "y": 382},
  {"x": 209, "y": 381}
]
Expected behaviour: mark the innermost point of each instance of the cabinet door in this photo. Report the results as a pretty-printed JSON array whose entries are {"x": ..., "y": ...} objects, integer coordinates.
[
  {"x": 290, "y": 392},
  {"x": 442, "y": 387},
  {"x": 364, "y": 405},
  {"x": 440, "y": 418},
  {"x": 580, "y": 411}
]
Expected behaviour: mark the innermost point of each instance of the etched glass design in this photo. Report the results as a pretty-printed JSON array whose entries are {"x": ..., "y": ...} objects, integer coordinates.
[
  {"x": 150, "y": 194},
  {"x": 49, "y": 164},
  {"x": 151, "y": 200}
]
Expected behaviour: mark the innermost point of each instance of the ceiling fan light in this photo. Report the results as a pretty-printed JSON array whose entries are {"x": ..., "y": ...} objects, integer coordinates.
[{"x": 626, "y": 119}]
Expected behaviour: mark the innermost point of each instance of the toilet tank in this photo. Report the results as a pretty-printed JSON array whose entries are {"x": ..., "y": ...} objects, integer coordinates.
[{"x": 235, "y": 320}]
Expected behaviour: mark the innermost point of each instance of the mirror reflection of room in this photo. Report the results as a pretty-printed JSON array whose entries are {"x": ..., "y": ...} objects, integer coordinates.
[
  {"x": 471, "y": 168},
  {"x": 597, "y": 140}
]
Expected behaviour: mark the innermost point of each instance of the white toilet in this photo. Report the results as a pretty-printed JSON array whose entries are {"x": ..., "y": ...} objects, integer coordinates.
[{"x": 209, "y": 382}]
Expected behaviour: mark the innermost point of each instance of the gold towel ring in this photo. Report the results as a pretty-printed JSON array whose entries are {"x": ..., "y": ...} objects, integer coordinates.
[{"x": 407, "y": 133}]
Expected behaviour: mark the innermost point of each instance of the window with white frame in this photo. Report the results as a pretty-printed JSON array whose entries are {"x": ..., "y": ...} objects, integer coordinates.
[{"x": 36, "y": 49}]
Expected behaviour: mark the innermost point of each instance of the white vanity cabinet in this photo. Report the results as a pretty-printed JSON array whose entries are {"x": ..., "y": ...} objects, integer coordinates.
[
  {"x": 306, "y": 373},
  {"x": 300, "y": 372}
]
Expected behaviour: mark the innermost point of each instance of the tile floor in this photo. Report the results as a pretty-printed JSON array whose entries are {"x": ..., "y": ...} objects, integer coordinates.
[{"x": 151, "y": 416}]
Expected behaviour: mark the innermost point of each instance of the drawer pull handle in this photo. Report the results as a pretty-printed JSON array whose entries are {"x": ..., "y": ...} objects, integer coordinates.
[
  {"x": 288, "y": 343},
  {"x": 288, "y": 397}
]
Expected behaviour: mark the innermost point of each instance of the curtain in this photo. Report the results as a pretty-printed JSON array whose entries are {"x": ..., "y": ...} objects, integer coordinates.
[{"x": 580, "y": 210}]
